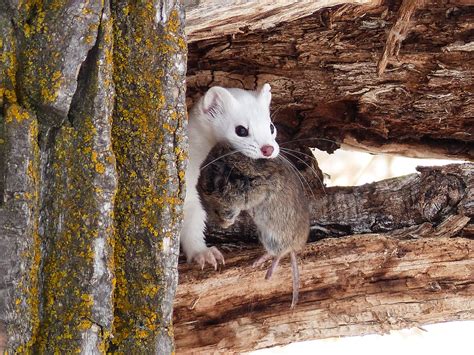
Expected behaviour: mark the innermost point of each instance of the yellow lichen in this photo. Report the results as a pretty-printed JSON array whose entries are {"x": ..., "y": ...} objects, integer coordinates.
[
  {"x": 49, "y": 86},
  {"x": 138, "y": 132},
  {"x": 67, "y": 299},
  {"x": 100, "y": 168},
  {"x": 77, "y": 202},
  {"x": 17, "y": 113},
  {"x": 8, "y": 65},
  {"x": 27, "y": 286}
]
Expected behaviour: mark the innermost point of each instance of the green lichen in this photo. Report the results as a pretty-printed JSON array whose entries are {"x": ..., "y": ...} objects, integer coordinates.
[{"x": 142, "y": 55}]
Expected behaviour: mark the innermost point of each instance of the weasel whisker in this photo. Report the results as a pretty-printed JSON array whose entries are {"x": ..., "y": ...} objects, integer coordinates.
[
  {"x": 298, "y": 174},
  {"x": 298, "y": 152},
  {"x": 222, "y": 156},
  {"x": 288, "y": 151},
  {"x": 275, "y": 112},
  {"x": 292, "y": 168}
]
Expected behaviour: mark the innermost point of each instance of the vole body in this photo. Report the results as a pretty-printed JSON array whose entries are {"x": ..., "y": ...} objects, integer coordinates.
[
  {"x": 271, "y": 194},
  {"x": 235, "y": 116}
]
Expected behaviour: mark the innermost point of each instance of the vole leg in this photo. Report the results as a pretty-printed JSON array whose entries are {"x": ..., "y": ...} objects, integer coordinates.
[
  {"x": 296, "y": 278},
  {"x": 273, "y": 267},
  {"x": 262, "y": 259}
]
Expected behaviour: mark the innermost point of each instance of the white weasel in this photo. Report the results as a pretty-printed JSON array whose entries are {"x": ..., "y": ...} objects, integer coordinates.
[{"x": 239, "y": 117}]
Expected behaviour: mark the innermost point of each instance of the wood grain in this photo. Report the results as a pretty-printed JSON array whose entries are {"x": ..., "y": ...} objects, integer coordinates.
[
  {"x": 350, "y": 286},
  {"x": 216, "y": 18}
]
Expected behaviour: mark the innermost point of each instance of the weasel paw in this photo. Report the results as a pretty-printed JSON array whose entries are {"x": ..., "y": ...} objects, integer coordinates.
[{"x": 211, "y": 255}]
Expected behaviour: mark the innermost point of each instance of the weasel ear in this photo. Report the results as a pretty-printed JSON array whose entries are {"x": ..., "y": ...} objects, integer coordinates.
[
  {"x": 216, "y": 101},
  {"x": 265, "y": 94}
]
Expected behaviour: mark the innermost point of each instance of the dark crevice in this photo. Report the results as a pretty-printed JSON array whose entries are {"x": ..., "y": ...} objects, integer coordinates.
[
  {"x": 2, "y": 158},
  {"x": 81, "y": 97}
]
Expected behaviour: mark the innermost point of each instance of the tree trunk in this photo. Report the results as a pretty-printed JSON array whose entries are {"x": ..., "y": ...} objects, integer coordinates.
[{"x": 71, "y": 235}]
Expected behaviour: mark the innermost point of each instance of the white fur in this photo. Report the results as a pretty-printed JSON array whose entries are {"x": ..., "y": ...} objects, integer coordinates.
[{"x": 213, "y": 119}]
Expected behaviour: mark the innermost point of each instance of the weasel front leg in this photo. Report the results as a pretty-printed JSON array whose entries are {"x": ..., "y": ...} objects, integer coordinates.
[{"x": 192, "y": 236}]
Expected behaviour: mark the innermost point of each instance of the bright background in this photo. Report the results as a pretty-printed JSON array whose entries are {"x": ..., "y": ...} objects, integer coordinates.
[
  {"x": 453, "y": 338},
  {"x": 348, "y": 168}
]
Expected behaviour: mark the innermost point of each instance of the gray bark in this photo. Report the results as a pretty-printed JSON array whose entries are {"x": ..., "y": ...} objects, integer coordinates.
[{"x": 66, "y": 159}]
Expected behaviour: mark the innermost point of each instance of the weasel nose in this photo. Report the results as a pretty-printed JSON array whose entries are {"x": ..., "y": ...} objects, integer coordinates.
[{"x": 267, "y": 150}]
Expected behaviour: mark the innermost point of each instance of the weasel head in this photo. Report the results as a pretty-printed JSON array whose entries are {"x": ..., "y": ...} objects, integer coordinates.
[{"x": 242, "y": 118}]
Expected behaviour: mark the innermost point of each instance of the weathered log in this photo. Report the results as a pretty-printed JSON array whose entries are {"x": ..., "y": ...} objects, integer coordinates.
[
  {"x": 215, "y": 18},
  {"x": 428, "y": 197},
  {"x": 68, "y": 162},
  {"x": 323, "y": 71},
  {"x": 431, "y": 196},
  {"x": 351, "y": 285}
]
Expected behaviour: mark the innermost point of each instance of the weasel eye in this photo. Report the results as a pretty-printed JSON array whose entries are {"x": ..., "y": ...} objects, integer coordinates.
[
  {"x": 241, "y": 131},
  {"x": 272, "y": 128}
]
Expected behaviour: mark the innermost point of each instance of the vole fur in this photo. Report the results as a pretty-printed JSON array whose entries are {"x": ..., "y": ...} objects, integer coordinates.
[{"x": 269, "y": 191}]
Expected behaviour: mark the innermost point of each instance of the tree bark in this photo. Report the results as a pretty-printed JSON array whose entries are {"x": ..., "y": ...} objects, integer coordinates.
[
  {"x": 149, "y": 143},
  {"x": 420, "y": 271},
  {"x": 69, "y": 163},
  {"x": 323, "y": 69}
]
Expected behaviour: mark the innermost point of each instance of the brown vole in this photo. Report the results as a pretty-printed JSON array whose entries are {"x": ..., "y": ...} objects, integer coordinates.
[{"x": 271, "y": 193}]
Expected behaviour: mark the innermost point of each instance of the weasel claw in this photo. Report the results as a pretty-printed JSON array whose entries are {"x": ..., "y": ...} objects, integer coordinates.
[{"x": 211, "y": 255}]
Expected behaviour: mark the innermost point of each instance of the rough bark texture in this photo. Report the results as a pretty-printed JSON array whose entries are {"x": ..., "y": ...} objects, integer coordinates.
[
  {"x": 396, "y": 203},
  {"x": 69, "y": 162},
  {"x": 323, "y": 72},
  {"x": 352, "y": 285},
  {"x": 365, "y": 77},
  {"x": 150, "y": 65},
  {"x": 390, "y": 77}
]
